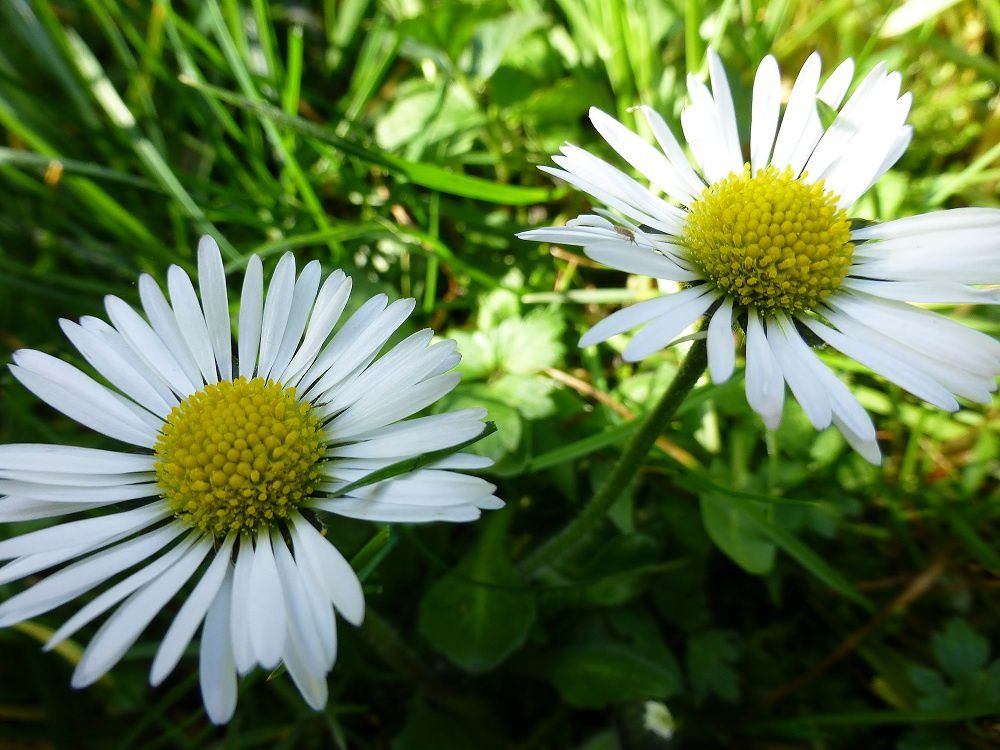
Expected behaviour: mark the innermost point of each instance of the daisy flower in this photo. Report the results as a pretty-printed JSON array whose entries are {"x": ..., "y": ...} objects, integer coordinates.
[
  {"x": 767, "y": 242},
  {"x": 228, "y": 462}
]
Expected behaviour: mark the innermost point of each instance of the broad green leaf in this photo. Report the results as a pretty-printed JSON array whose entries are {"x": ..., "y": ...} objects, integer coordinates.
[
  {"x": 480, "y": 613},
  {"x": 960, "y": 650},
  {"x": 710, "y": 658},
  {"x": 594, "y": 675},
  {"x": 530, "y": 344},
  {"x": 477, "y": 350},
  {"x": 494, "y": 38},
  {"x": 736, "y": 534},
  {"x": 529, "y": 394}
]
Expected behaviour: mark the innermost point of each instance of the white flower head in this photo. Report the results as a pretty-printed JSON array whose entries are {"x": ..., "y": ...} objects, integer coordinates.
[
  {"x": 234, "y": 458},
  {"x": 766, "y": 242}
]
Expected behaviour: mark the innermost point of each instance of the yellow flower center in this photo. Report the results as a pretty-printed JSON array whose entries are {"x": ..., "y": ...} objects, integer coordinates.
[
  {"x": 770, "y": 240},
  {"x": 238, "y": 455}
]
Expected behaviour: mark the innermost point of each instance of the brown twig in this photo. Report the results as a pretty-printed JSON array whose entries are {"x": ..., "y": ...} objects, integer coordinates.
[{"x": 586, "y": 389}]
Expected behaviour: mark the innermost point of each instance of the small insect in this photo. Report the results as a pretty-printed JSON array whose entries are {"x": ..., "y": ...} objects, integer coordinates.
[{"x": 626, "y": 233}]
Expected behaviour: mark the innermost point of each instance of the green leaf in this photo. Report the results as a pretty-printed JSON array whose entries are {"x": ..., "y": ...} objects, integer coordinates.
[
  {"x": 478, "y": 358},
  {"x": 736, "y": 534},
  {"x": 594, "y": 675},
  {"x": 959, "y": 650},
  {"x": 424, "y": 113},
  {"x": 710, "y": 656},
  {"x": 529, "y": 394},
  {"x": 493, "y": 38},
  {"x": 530, "y": 344},
  {"x": 480, "y": 613},
  {"x": 802, "y": 554}
]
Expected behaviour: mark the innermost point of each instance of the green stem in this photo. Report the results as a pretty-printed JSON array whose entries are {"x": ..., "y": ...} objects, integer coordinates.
[{"x": 577, "y": 531}]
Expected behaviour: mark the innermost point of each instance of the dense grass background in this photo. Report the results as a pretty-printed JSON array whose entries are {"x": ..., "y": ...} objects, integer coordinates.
[{"x": 773, "y": 590}]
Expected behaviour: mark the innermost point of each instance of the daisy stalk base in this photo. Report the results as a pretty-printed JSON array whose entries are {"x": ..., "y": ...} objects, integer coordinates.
[{"x": 576, "y": 533}]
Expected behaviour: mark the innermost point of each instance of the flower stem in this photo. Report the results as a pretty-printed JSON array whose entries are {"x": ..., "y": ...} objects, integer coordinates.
[{"x": 576, "y": 533}]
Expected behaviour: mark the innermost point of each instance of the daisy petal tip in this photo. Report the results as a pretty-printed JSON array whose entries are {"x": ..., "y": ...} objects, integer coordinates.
[
  {"x": 721, "y": 373},
  {"x": 207, "y": 244}
]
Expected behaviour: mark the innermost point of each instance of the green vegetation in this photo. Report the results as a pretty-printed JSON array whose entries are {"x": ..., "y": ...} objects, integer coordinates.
[{"x": 772, "y": 590}]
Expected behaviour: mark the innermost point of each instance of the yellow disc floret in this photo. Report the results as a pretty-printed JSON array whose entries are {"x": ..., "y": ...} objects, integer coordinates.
[
  {"x": 238, "y": 455},
  {"x": 770, "y": 240}
]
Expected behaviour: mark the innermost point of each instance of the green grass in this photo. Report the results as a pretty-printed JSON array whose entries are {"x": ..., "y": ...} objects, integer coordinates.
[{"x": 399, "y": 140}]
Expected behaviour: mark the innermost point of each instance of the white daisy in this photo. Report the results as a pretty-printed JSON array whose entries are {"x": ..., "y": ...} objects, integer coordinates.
[
  {"x": 766, "y": 242},
  {"x": 236, "y": 456}
]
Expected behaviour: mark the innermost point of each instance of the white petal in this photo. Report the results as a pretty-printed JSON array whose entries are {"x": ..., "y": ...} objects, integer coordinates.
[
  {"x": 117, "y": 343},
  {"x": 216, "y": 668},
  {"x": 764, "y": 112},
  {"x": 148, "y": 345},
  {"x": 303, "y": 643},
  {"x": 628, "y": 257},
  {"x": 662, "y": 330},
  {"x": 885, "y": 365},
  {"x": 725, "y": 113},
  {"x": 787, "y": 347},
  {"x": 91, "y": 531},
  {"x": 927, "y": 332},
  {"x": 700, "y": 125},
  {"x": 96, "y": 495},
  {"x": 123, "y": 628},
  {"x": 765, "y": 386},
  {"x": 110, "y": 597},
  {"x": 251, "y": 317},
  {"x": 395, "y": 513},
  {"x": 83, "y": 575},
  {"x": 855, "y": 173},
  {"x": 832, "y": 92},
  {"x": 277, "y": 306},
  {"x": 347, "y": 336},
  {"x": 30, "y": 564},
  {"x": 464, "y": 461},
  {"x": 329, "y": 569},
  {"x": 635, "y": 315},
  {"x": 303, "y": 298},
  {"x": 942, "y": 292},
  {"x": 951, "y": 219},
  {"x": 215, "y": 300},
  {"x": 66, "y": 389},
  {"x": 969, "y": 384},
  {"x": 25, "y": 509},
  {"x": 407, "y": 363},
  {"x": 191, "y": 614},
  {"x": 243, "y": 654},
  {"x": 606, "y": 189},
  {"x": 721, "y": 348},
  {"x": 416, "y": 436},
  {"x": 672, "y": 149},
  {"x": 366, "y": 344},
  {"x": 164, "y": 324},
  {"x": 330, "y": 303},
  {"x": 407, "y": 401},
  {"x": 849, "y": 122},
  {"x": 266, "y": 608},
  {"x": 116, "y": 369},
  {"x": 69, "y": 458},
  {"x": 191, "y": 322},
  {"x": 800, "y": 124},
  {"x": 649, "y": 162}
]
